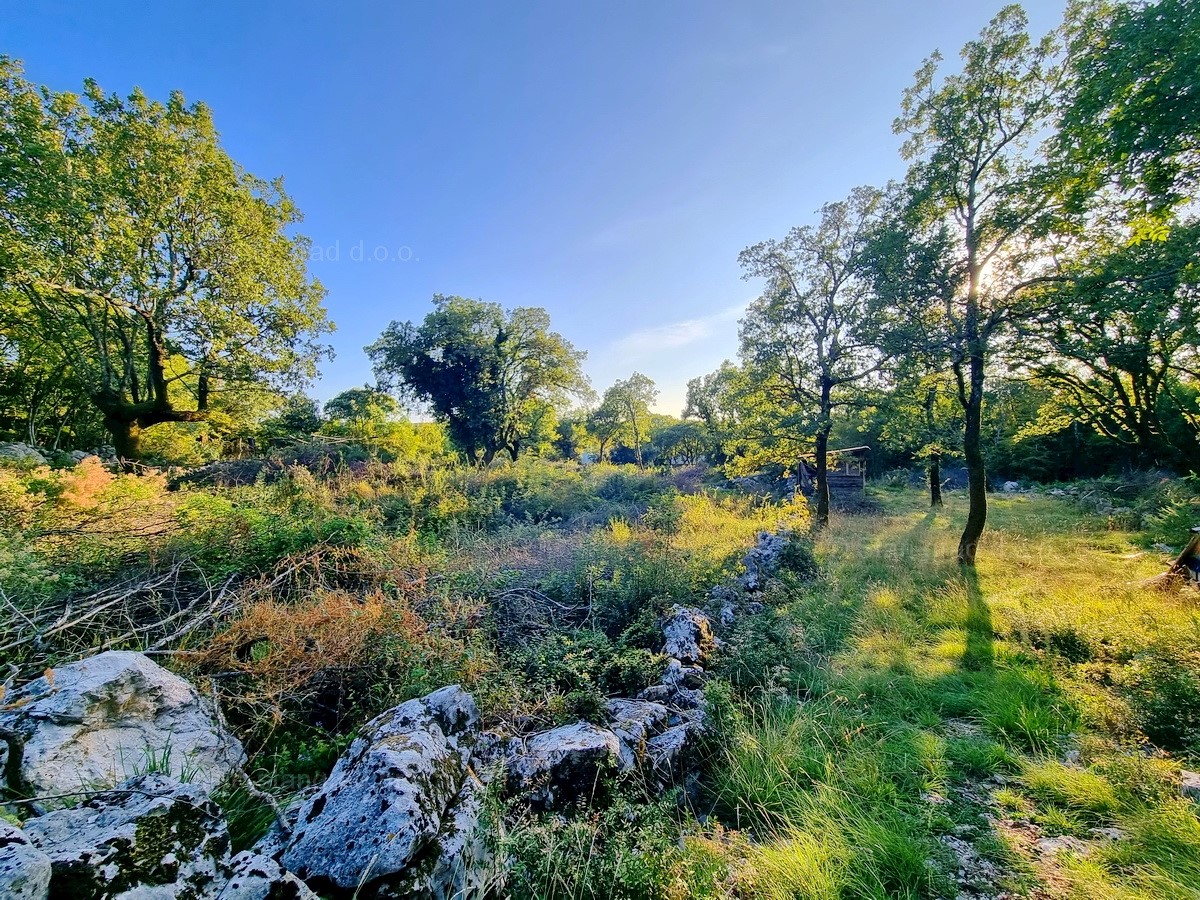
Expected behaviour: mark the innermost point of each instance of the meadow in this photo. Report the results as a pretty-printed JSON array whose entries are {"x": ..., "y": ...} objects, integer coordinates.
[{"x": 886, "y": 724}]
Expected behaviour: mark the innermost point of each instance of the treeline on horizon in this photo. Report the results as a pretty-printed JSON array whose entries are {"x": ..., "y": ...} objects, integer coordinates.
[{"x": 1024, "y": 300}]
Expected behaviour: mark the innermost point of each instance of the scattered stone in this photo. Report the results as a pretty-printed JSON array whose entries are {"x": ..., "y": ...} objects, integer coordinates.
[
  {"x": 666, "y": 753},
  {"x": 564, "y": 764},
  {"x": 1058, "y": 492},
  {"x": 24, "y": 869},
  {"x": 1189, "y": 784},
  {"x": 257, "y": 877},
  {"x": 1011, "y": 487},
  {"x": 762, "y": 561},
  {"x": 97, "y": 722},
  {"x": 397, "y": 807},
  {"x": 1052, "y": 846},
  {"x": 151, "y": 835},
  {"x": 635, "y": 722},
  {"x": 1108, "y": 834},
  {"x": 22, "y": 453},
  {"x": 680, "y": 676},
  {"x": 688, "y": 634},
  {"x": 1163, "y": 548}
]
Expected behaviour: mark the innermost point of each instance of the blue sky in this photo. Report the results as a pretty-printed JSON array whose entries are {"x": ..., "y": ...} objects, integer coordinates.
[{"x": 604, "y": 160}]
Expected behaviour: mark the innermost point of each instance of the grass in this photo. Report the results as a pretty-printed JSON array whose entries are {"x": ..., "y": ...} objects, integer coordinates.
[
  {"x": 936, "y": 684},
  {"x": 875, "y": 728}
]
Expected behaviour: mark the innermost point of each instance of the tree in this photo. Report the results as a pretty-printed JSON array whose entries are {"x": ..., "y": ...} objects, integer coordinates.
[
  {"x": 360, "y": 410},
  {"x": 974, "y": 175},
  {"x": 605, "y": 423},
  {"x": 681, "y": 442},
  {"x": 807, "y": 338},
  {"x": 570, "y": 433},
  {"x": 1133, "y": 116},
  {"x": 711, "y": 399},
  {"x": 1123, "y": 344},
  {"x": 923, "y": 418},
  {"x": 298, "y": 417},
  {"x": 159, "y": 271},
  {"x": 491, "y": 376},
  {"x": 628, "y": 402}
]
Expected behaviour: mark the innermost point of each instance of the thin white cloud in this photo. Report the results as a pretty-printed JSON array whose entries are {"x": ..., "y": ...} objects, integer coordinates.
[{"x": 676, "y": 334}]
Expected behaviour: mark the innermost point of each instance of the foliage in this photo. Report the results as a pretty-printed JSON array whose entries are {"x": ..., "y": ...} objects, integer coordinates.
[
  {"x": 494, "y": 377},
  {"x": 159, "y": 289},
  {"x": 805, "y": 340}
]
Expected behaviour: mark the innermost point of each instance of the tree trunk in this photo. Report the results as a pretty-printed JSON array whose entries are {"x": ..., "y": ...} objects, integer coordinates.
[
  {"x": 935, "y": 480},
  {"x": 822, "y": 486},
  {"x": 973, "y": 452},
  {"x": 126, "y": 437}
]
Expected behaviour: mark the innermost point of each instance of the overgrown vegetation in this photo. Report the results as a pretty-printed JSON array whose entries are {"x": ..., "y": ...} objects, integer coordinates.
[{"x": 881, "y": 704}]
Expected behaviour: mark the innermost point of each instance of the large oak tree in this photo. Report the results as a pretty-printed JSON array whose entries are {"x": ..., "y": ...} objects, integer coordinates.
[
  {"x": 492, "y": 376},
  {"x": 159, "y": 271}
]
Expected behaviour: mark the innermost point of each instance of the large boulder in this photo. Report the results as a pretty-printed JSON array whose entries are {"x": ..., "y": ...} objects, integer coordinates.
[
  {"x": 152, "y": 837},
  {"x": 22, "y": 453},
  {"x": 24, "y": 869},
  {"x": 688, "y": 635},
  {"x": 399, "y": 816},
  {"x": 99, "y": 721},
  {"x": 556, "y": 767}
]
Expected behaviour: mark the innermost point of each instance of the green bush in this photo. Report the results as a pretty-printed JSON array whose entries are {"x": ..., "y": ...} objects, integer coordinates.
[
  {"x": 583, "y": 661},
  {"x": 1163, "y": 687}
]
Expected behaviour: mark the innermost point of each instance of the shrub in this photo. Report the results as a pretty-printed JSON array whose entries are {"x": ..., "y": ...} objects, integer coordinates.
[{"x": 1163, "y": 686}]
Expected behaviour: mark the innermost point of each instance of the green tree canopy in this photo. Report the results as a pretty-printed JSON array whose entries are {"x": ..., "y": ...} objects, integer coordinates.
[
  {"x": 160, "y": 272},
  {"x": 492, "y": 376}
]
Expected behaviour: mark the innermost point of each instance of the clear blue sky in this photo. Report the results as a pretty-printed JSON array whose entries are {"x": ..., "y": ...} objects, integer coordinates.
[{"x": 604, "y": 160}]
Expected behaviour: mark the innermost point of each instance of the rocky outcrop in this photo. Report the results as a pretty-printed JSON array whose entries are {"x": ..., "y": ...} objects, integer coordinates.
[
  {"x": 22, "y": 453},
  {"x": 97, "y": 722},
  {"x": 762, "y": 561},
  {"x": 688, "y": 634},
  {"x": 553, "y": 768},
  {"x": 399, "y": 816},
  {"x": 24, "y": 869},
  {"x": 151, "y": 835}
]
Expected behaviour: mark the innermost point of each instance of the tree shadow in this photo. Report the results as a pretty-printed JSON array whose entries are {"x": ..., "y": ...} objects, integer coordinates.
[{"x": 980, "y": 652}]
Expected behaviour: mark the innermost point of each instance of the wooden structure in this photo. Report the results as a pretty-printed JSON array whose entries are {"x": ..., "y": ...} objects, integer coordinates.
[{"x": 847, "y": 473}]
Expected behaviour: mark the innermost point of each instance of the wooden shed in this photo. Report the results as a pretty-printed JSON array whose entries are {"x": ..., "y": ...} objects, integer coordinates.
[{"x": 847, "y": 473}]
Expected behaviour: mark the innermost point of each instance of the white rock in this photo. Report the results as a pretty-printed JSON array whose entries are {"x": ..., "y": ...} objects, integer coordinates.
[
  {"x": 23, "y": 452},
  {"x": 562, "y": 765},
  {"x": 688, "y": 634},
  {"x": 150, "y": 837},
  {"x": 1189, "y": 784},
  {"x": 635, "y": 722},
  {"x": 24, "y": 869},
  {"x": 1011, "y": 487},
  {"x": 107, "y": 718},
  {"x": 392, "y": 813},
  {"x": 257, "y": 877}
]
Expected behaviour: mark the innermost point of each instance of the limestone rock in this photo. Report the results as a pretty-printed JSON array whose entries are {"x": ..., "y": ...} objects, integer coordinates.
[
  {"x": 257, "y": 877},
  {"x": 562, "y": 765},
  {"x": 689, "y": 636},
  {"x": 666, "y": 753},
  {"x": 635, "y": 722},
  {"x": 99, "y": 721},
  {"x": 150, "y": 837},
  {"x": 22, "y": 452},
  {"x": 1189, "y": 784},
  {"x": 762, "y": 561},
  {"x": 393, "y": 807},
  {"x": 24, "y": 869}
]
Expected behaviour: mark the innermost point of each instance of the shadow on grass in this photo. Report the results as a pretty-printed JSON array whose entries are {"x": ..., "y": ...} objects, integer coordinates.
[{"x": 980, "y": 653}]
